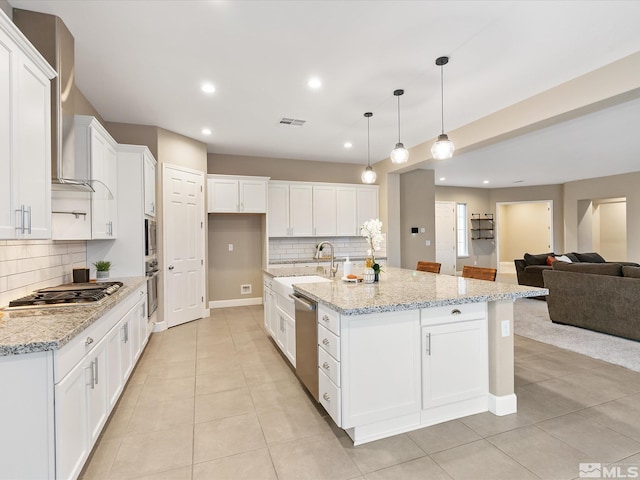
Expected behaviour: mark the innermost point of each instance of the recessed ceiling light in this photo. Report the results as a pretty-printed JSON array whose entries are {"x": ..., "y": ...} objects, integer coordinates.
[
  {"x": 348, "y": 144},
  {"x": 208, "y": 88},
  {"x": 206, "y": 131},
  {"x": 485, "y": 181},
  {"x": 442, "y": 179},
  {"x": 314, "y": 83}
]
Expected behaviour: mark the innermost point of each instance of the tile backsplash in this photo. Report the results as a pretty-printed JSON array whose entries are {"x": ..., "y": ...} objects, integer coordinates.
[
  {"x": 303, "y": 249},
  {"x": 27, "y": 265}
]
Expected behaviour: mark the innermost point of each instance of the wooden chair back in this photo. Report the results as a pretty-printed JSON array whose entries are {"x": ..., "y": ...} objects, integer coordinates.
[
  {"x": 480, "y": 273},
  {"x": 432, "y": 267}
]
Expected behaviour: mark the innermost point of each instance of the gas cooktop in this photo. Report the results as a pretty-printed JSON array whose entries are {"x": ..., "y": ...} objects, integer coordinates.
[{"x": 73, "y": 293}]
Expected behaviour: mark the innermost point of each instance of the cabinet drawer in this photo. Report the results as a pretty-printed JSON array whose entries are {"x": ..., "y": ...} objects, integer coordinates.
[
  {"x": 453, "y": 313},
  {"x": 287, "y": 305},
  {"x": 329, "y": 342},
  {"x": 329, "y": 365},
  {"x": 329, "y": 319},
  {"x": 329, "y": 395}
]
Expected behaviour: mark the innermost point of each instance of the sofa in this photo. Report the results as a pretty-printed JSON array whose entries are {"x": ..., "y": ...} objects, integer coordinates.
[
  {"x": 529, "y": 269},
  {"x": 604, "y": 297}
]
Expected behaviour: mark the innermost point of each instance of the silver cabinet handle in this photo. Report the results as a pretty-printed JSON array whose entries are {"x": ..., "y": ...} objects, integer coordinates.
[
  {"x": 428, "y": 352},
  {"x": 326, "y": 366},
  {"x": 29, "y": 227},
  {"x": 326, "y": 342},
  {"x": 96, "y": 375},
  {"x": 125, "y": 331},
  {"x": 93, "y": 377},
  {"x": 88, "y": 341},
  {"x": 21, "y": 227},
  {"x": 327, "y": 397},
  {"x": 325, "y": 318},
  {"x": 455, "y": 311},
  {"x": 171, "y": 267}
]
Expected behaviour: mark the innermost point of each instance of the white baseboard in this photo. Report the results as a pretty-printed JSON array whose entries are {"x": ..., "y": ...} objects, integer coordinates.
[
  {"x": 236, "y": 302},
  {"x": 503, "y": 405}
]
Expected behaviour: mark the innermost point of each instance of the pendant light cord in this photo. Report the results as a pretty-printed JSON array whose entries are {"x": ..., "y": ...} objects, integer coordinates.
[
  {"x": 368, "y": 150},
  {"x": 398, "y": 118},
  {"x": 442, "y": 97}
]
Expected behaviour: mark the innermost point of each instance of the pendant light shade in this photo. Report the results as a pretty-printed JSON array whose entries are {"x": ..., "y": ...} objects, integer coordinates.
[
  {"x": 443, "y": 147},
  {"x": 399, "y": 154},
  {"x": 368, "y": 176}
]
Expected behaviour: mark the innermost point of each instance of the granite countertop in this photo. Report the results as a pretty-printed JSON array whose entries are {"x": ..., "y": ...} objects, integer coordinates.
[
  {"x": 400, "y": 289},
  {"x": 40, "y": 329},
  {"x": 322, "y": 260}
]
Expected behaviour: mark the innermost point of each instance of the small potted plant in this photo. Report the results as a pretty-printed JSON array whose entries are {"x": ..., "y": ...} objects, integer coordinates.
[{"x": 102, "y": 268}]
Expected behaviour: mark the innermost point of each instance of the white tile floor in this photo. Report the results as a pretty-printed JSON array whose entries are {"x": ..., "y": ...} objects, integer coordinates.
[{"x": 214, "y": 399}]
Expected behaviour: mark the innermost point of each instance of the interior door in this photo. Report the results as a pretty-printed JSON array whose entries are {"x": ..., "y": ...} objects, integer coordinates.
[
  {"x": 446, "y": 237},
  {"x": 184, "y": 245}
]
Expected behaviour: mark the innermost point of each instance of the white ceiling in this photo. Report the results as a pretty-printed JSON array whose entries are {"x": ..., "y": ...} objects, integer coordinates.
[{"x": 143, "y": 62}]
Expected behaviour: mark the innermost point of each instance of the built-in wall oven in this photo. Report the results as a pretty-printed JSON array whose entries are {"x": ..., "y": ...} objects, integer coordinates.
[
  {"x": 152, "y": 272},
  {"x": 149, "y": 237}
]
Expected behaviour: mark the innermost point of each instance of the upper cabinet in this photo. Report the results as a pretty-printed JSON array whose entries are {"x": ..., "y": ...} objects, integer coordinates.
[
  {"x": 305, "y": 209},
  {"x": 233, "y": 194},
  {"x": 25, "y": 137},
  {"x": 95, "y": 145},
  {"x": 149, "y": 184}
]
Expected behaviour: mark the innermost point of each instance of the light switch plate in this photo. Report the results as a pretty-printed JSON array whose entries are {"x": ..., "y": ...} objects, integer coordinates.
[
  {"x": 505, "y": 328},
  {"x": 231, "y": 247}
]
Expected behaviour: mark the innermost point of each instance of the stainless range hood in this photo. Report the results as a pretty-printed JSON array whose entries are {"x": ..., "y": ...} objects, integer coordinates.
[{"x": 53, "y": 40}]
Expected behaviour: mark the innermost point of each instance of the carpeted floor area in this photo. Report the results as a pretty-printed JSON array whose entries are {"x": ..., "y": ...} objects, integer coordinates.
[{"x": 531, "y": 320}]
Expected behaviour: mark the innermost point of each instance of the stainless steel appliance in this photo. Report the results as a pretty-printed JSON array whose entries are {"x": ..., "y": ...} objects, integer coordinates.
[
  {"x": 149, "y": 237},
  {"x": 306, "y": 343},
  {"x": 64, "y": 295},
  {"x": 152, "y": 272}
]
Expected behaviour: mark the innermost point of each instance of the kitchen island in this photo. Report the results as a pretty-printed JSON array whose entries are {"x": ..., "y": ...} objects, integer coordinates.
[{"x": 413, "y": 350}]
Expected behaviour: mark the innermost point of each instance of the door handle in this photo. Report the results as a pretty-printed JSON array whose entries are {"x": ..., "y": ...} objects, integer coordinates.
[{"x": 171, "y": 267}]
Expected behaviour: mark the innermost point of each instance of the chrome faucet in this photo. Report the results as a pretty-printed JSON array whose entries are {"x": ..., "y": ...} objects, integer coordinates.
[{"x": 334, "y": 268}]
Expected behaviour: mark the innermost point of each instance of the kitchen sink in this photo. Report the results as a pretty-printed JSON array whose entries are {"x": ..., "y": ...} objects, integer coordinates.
[{"x": 283, "y": 285}]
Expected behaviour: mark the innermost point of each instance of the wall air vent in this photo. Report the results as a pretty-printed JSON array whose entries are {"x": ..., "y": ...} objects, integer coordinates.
[{"x": 295, "y": 122}]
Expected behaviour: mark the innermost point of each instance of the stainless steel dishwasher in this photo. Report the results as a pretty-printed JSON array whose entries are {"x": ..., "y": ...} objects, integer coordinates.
[{"x": 306, "y": 343}]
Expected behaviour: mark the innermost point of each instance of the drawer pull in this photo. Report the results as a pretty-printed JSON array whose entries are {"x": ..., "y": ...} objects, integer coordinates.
[
  {"x": 325, "y": 318},
  {"x": 326, "y": 342},
  {"x": 326, "y": 366},
  {"x": 327, "y": 397},
  {"x": 455, "y": 311},
  {"x": 88, "y": 341}
]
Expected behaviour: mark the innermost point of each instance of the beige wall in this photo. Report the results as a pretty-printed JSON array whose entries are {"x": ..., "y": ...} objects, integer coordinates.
[
  {"x": 417, "y": 209},
  {"x": 612, "y": 230},
  {"x": 481, "y": 252},
  {"x": 285, "y": 169},
  {"x": 229, "y": 270},
  {"x": 6, "y": 8},
  {"x": 83, "y": 107},
  {"x": 523, "y": 227},
  {"x": 128, "y": 133},
  {"x": 593, "y": 189}
]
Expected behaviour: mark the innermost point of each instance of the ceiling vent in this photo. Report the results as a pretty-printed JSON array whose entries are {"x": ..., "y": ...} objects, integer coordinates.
[{"x": 294, "y": 122}]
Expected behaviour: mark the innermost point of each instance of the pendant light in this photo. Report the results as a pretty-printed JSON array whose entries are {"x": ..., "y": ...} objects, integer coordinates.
[
  {"x": 368, "y": 176},
  {"x": 399, "y": 154},
  {"x": 443, "y": 148}
]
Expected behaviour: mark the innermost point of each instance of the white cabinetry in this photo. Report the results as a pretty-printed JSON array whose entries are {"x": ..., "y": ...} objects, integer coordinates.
[
  {"x": 229, "y": 194},
  {"x": 454, "y": 353},
  {"x": 127, "y": 253},
  {"x": 304, "y": 209},
  {"x": 25, "y": 137},
  {"x": 269, "y": 305},
  {"x": 95, "y": 146},
  {"x": 149, "y": 175}
]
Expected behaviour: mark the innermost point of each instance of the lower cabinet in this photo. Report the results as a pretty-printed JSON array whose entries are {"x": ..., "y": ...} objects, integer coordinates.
[{"x": 285, "y": 336}]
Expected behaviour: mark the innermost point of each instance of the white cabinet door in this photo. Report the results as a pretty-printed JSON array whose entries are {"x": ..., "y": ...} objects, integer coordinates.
[
  {"x": 290, "y": 339},
  {"x": 380, "y": 366},
  {"x": 280, "y": 327},
  {"x": 149, "y": 172},
  {"x": 253, "y": 196},
  {"x": 25, "y": 145},
  {"x": 346, "y": 212},
  {"x": 301, "y": 210},
  {"x": 104, "y": 173},
  {"x": 454, "y": 364},
  {"x": 324, "y": 210},
  {"x": 278, "y": 214},
  {"x": 97, "y": 402},
  {"x": 367, "y": 204},
  {"x": 72, "y": 441},
  {"x": 222, "y": 195},
  {"x": 115, "y": 382}
]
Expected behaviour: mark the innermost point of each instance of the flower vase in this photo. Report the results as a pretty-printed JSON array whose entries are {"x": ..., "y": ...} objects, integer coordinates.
[
  {"x": 102, "y": 275},
  {"x": 369, "y": 275}
]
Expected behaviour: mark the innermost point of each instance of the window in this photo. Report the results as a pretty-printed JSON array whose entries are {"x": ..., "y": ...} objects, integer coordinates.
[{"x": 462, "y": 230}]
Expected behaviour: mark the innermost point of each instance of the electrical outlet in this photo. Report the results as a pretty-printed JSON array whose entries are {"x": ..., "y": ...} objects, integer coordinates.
[
  {"x": 231, "y": 247},
  {"x": 245, "y": 289},
  {"x": 505, "y": 328}
]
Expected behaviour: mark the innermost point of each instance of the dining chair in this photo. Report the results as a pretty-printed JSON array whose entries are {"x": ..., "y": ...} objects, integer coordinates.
[
  {"x": 479, "y": 273},
  {"x": 431, "y": 267}
]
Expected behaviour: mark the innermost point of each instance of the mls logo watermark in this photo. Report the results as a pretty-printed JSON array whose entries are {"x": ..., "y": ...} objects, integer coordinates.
[{"x": 598, "y": 470}]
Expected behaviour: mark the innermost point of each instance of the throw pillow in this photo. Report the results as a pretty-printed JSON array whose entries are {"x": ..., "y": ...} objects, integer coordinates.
[
  {"x": 629, "y": 271},
  {"x": 551, "y": 259},
  {"x": 540, "y": 259},
  {"x": 591, "y": 257},
  {"x": 564, "y": 258},
  {"x": 571, "y": 256}
]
